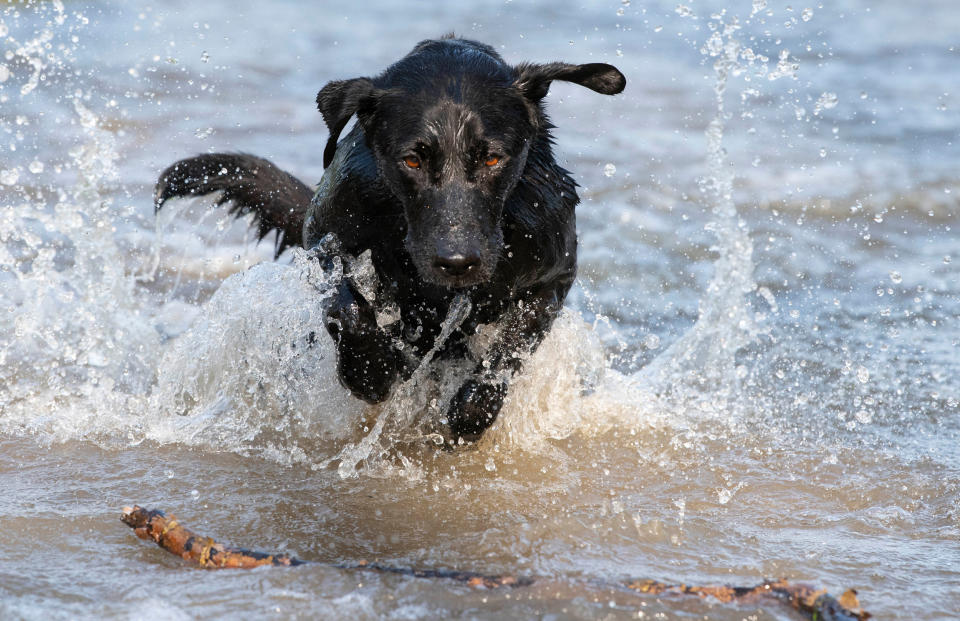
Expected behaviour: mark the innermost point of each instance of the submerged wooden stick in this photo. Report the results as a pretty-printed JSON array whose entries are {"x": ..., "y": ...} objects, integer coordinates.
[
  {"x": 816, "y": 603},
  {"x": 167, "y": 532},
  {"x": 170, "y": 535}
]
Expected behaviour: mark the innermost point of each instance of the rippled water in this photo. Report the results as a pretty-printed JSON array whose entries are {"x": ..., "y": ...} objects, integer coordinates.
[{"x": 755, "y": 377}]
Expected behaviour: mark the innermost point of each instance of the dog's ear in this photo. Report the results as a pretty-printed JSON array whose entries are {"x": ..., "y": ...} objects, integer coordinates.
[
  {"x": 534, "y": 80},
  {"x": 337, "y": 102}
]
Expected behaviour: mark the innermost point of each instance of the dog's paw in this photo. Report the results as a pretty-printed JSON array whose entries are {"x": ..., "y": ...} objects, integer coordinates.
[
  {"x": 349, "y": 315},
  {"x": 367, "y": 362},
  {"x": 475, "y": 408}
]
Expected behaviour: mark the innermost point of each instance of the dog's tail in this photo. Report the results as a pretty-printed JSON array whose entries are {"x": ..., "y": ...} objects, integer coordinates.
[{"x": 251, "y": 184}]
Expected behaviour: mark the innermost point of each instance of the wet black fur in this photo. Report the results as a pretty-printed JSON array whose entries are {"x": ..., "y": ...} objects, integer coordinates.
[{"x": 502, "y": 233}]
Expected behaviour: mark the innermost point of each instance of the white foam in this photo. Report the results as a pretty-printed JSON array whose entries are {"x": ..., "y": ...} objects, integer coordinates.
[
  {"x": 256, "y": 370},
  {"x": 568, "y": 387}
]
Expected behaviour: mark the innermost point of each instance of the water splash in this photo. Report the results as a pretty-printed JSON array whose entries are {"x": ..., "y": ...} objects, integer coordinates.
[
  {"x": 73, "y": 337},
  {"x": 256, "y": 373},
  {"x": 704, "y": 361},
  {"x": 403, "y": 412},
  {"x": 704, "y": 358}
]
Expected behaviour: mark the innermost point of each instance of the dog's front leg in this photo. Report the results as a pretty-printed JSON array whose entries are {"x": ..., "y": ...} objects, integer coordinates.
[
  {"x": 479, "y": 399},
  {"x": 368, "y": 362}
]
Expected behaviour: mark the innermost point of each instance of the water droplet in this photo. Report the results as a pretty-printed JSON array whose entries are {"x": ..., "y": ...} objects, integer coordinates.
[
  {"x": 195, "y": 493},
  {"x": 658, "y": 29},
  {"x": 36, "y": 167},
  {"x": 863, "y": 417},
  {"x": 620, "y": 11},
  {"x": 826, "y": 101},
  {"x": 863, "y": 375},
  {"x": 9, "y": 176},
  {"x": 490, "y": 466},
  {"x": 609, "y": 170},
  {"x": 806, "y": 15},
  {"x": 947, "y": 259},
  {"x": 203, "y": 133},
  {"x": 895, "y": 277},
  {"x": 204, "y": 57},
  {"x": 4, "y": 73},
  {"x": 652, "y": 341},
  {"x": 823, "y": 153},
  {"x": 684, "y": 11}
]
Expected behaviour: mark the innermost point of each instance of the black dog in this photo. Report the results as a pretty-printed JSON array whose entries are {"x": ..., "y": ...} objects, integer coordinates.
[{"x": 449, "y": 180}]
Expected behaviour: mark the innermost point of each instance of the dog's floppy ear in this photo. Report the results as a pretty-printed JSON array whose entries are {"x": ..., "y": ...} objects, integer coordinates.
[
  {"x": 338, "y": 101},
  {"x": 534, "y": 80}
]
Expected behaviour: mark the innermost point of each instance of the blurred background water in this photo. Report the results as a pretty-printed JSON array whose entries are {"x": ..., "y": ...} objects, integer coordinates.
[{"x": 812, "y": 434}]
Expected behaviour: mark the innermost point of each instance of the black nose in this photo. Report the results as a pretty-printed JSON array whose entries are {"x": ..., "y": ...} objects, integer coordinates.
[{"x": 456, "y": 264}]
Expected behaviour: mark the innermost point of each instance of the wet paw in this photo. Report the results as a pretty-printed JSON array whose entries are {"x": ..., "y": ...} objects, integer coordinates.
[
  {"x": 475, "y": 408},
  {"x": 349, "y": 315}
]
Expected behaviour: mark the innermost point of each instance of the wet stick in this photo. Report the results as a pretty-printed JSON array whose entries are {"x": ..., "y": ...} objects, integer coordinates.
[
  {"x": 817, "y": 604},
  {"x": 167, "y": 532}
]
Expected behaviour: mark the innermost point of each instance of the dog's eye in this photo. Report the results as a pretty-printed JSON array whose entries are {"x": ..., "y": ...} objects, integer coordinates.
[
  {"x": 492, "y": 160},
  {"x": 412, "y": 161}
]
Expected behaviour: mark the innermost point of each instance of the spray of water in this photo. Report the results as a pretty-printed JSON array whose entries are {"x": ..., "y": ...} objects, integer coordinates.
[
  {"x": 705, "y": 359},
  {"x": 73, "y": 335}
]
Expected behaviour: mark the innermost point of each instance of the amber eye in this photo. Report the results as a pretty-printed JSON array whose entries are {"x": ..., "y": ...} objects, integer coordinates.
[
  {"x": 493, "y": 160},
  {"x": 412, "y": 161}
]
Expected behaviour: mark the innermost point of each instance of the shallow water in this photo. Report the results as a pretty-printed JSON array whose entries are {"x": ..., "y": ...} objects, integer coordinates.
[{"x": 805, "y": 427}]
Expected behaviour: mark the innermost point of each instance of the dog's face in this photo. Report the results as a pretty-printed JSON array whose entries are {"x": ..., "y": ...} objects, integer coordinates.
[
  {"x": 450, "y": 126},
  {"x": 452, "y": 162}
]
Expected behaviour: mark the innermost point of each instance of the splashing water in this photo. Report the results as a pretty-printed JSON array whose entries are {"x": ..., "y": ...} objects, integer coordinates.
[
  {"x": 404, "y": 408},
  {"x": 705, "y": 357},
  {"x": 75, "y": 340}
]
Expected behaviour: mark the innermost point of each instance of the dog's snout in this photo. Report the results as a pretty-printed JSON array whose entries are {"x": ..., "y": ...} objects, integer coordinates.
[{"x": 456, "y": 264}]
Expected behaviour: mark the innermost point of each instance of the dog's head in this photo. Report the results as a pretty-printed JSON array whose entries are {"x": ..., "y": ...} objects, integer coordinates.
[{"x": 450, "y": 126}]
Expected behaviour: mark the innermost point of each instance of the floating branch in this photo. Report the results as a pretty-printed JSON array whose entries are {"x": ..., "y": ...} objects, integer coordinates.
[
  {"x": 169, "y": 534},
  {"x": 816, "y": 603}
]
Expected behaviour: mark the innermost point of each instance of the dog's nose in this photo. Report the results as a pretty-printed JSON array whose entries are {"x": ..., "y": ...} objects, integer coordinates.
[{"x": 456, "y": 264}]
